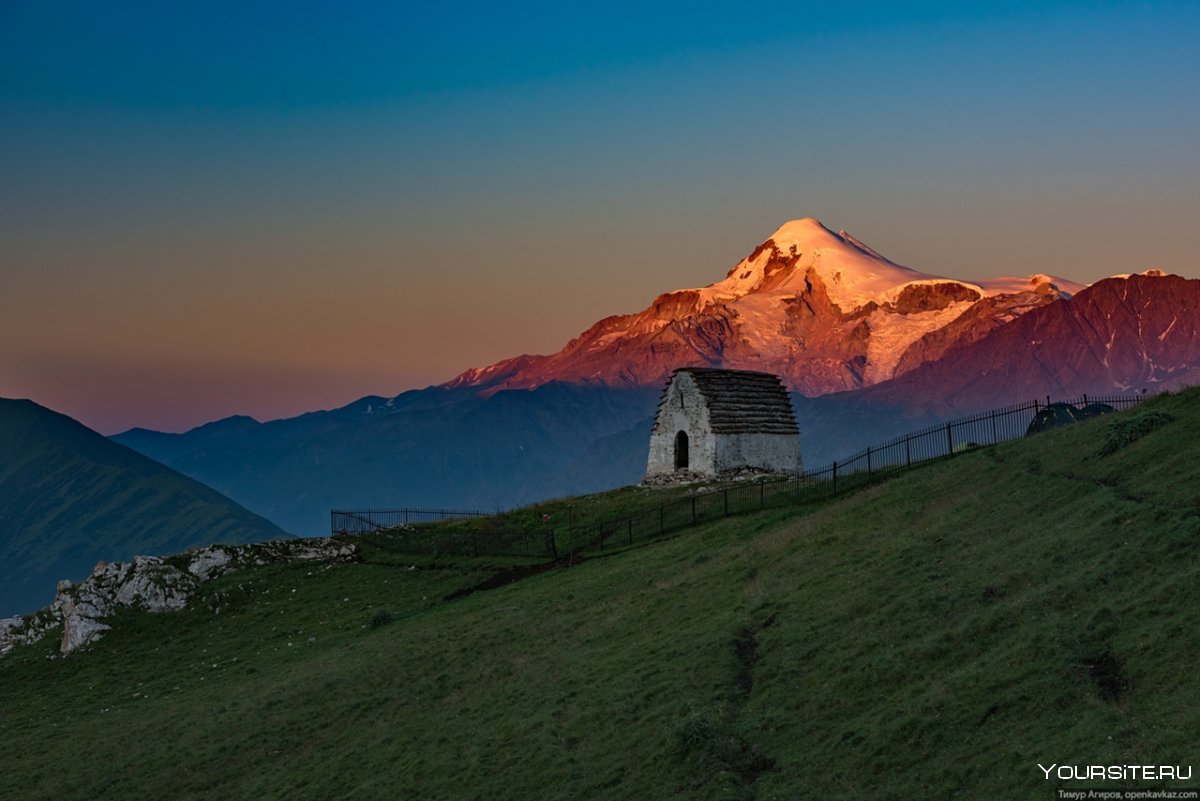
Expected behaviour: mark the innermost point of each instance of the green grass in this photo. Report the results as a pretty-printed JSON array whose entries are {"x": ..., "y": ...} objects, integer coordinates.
[
  {"x": 933, "y": 636},
  {"x": 631, "y": 515},
  {"x": 582, "y": 511}
]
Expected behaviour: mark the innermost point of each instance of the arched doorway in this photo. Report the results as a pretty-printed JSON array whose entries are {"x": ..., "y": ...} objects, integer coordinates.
[{"x": 681, "y": 451}]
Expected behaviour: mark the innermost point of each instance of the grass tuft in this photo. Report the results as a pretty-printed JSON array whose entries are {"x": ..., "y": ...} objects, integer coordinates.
[{"x": 380, "y": 617}]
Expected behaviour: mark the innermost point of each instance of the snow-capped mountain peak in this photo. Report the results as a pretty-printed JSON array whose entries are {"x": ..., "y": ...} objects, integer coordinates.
[
  {"x": 823, "y": 310},
  {"x": 804, "y": 233},
  {"x": 853, "y": 273}
]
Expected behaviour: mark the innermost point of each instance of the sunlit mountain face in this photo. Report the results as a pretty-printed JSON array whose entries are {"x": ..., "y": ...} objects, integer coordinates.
[{"x": 821, "y": 309}]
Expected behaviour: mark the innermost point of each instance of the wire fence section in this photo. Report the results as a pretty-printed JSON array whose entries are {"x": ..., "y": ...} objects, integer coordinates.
[
  {"x": 396, "y": 529},
  {"x": 370, "y": 521},
  {"x": 705, "y": 504},
  {"x": 956, "y": 436},
  {"x": 494, "y": 537}
]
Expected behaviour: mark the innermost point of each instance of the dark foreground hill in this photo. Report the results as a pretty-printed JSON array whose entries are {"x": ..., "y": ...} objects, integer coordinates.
[
  {"x": 69, "y": 497},
  {"x": 935, "y": 636}
]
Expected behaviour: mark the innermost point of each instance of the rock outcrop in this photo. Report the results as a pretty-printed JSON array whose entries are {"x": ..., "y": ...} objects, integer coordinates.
[
  {"x": 153, "y": 584},
  {"x": 16, "y": 631}
]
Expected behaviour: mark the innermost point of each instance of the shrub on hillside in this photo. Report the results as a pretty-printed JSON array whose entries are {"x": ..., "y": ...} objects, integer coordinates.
[{"x": 1123, "y": 432}]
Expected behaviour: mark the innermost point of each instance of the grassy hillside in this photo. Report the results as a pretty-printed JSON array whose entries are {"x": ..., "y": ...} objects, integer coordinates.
[
  {"x": 935, "y": 636},
  {"x": 69, "y": 497}
]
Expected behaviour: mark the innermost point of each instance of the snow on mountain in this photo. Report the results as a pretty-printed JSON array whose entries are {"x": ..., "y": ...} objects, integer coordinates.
[
  {"x": 853, "y": 273},
  {"x": 821, "y": 309},
  {"x": 1010, "y": 284}
]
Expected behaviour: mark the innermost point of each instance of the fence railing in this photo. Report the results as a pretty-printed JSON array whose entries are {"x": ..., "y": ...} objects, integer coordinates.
[
  {"x": 369, "y": 521},
  {"x": 871, "y": 464},
  {"x": 955, "y": 436}
]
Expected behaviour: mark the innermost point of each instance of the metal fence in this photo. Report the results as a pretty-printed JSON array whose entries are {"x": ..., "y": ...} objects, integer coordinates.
[
  {"x": 956, "y": 436},
  {"x": 369, "y": 521},
  {"x": 492, "y": 538},
  {"x": 495, "y": 537},
  {"x": 705, "y": 504}
]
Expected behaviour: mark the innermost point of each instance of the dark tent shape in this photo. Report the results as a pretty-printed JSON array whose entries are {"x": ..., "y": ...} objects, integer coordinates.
[
  {"x": 1063, "y": 414},
  {"x": 1094, "y": 410},
  {"x": 1055, "y": 415}
]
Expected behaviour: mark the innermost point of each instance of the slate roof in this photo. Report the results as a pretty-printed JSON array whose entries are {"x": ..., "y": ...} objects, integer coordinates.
[{"x": 742, "y": 401}]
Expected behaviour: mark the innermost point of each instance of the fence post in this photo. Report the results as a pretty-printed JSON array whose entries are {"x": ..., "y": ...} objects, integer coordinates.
[
  {"x": 949, "y": 441},
  {"x": 726, "y": 494},
  {"x": 994, "y": 439},
  {"x": 762, "y": 494},
  {"x": 907, "y": 450},
  {"x": 835, "y": 478},
  {"x": 406, "y": 515},
  {"x": 1085, "y": 399},
  {"x": 870, "y": 472},
  {"x": 693, "y": 509}
]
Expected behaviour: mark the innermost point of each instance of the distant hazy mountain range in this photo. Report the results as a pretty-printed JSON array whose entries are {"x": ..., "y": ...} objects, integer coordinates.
[
  {"x": 69, "y": 497},
  {"x": 870, "y": 349},
  {"x": 434, "y": 447}
]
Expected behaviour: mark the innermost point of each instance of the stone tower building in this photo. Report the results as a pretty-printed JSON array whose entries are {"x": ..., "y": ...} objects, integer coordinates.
[{"x": 713, "y": 421}]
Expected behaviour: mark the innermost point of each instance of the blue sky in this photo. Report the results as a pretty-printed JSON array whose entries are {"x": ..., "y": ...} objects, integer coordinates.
[{"x": 267, "y": 208}]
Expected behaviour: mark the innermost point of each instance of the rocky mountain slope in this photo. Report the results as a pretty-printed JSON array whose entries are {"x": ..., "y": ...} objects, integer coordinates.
[
  {"x": 69, "y": 497},
  {"x": 1140, "y": 332},
  {"x": 1131, "y": 334}
]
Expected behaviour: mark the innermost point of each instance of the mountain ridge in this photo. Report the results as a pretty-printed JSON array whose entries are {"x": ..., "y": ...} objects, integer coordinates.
[
  {"x": 431, "y": 447},
  {"x": 1120, "y": 335},
  {"x": 70, "y": 497}
]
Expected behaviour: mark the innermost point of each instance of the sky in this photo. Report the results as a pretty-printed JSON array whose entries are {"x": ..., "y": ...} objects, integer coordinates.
[{"x": 270, "y": 208}]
